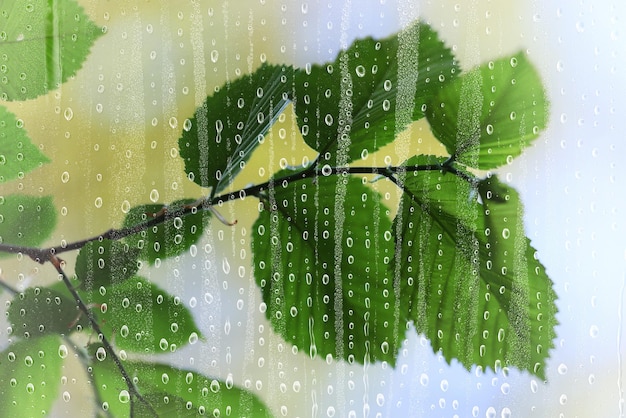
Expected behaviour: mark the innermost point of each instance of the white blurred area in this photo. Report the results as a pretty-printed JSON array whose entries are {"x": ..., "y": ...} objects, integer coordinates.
[{"x": 159, "y": 60}]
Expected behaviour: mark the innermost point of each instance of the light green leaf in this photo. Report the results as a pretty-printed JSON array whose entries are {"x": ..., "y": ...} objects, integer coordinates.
[
  {"x": 143, "y": 317},
  {"x": 470, "y": 279},
  {"x": 167, "y": 239},
  {"x": 230, "y": 125},
  {"x": 321, "y": 259},
  {"x": 487, "y": 116},
  {"x": 18, "y": 155},
  {"x": 43, "y": 43},
  {"x": 366, "y": 95},
  {"x": 173, "y": 392},
  {"x": 26, "y": 220},
  {"x": 41, "y": 310},
  {"x": 30, "y": 372},
  {"x": 106, "y": 262}
]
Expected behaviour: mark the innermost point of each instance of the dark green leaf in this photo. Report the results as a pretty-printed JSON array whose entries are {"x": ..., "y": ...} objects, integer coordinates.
[
  {"x": 321, "y": 259},
  {"x": 174, "y": 392},
  {"x": 487, "y": 117},
  {"x": 30, "y": 372},
  {"x": 26, "y": 220},
  {"x": 41, "y": 310},
  {"x": 169, "y": 238},
  {"x": 106, "y": 262},
  {"x": 18, "y": 155},
  {"x": 470, "y": 278},
  {"x": 231, "y": 124},
  {"x": 43, "y": 44},
  {"x": 143, "y": 317},
  {"x": 372, "y": 91}
]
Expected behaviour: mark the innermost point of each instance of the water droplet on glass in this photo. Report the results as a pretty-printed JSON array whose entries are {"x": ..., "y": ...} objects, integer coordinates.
[
  {"x": 124, "y": 396},
  {"x": 101, "y": 353},
  {"x": 154, "y": 195},
  {"x": 68, "y": 114},
  {"x": 63, "y": 351},
  {"x": 360, "y": 70}
]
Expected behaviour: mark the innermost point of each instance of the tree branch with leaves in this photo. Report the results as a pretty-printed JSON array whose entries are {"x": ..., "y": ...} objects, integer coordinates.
[{"x": 338, "y": 275}]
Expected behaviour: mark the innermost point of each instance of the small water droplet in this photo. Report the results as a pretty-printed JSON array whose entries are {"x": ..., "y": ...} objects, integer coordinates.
[
  {"x": 124, "y": 396},
  {"x": 360, "y": 70},
  {"x": 154, "y": 195},
  {"x": 63, "y": 351},
  {"x": 101, "y": 353},
  {"x": 68, "y": 114}
]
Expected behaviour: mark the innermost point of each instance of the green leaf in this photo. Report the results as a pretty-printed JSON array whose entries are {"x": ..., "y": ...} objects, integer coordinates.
[
  {"x": 173, "y": 392},
  {"x": 106, "y": 262},
  {"x": 40, "y": 310},
  {"x": 30, "y": 372},
  {"x": 231, "y": 124},
  {"x": 365, "y": 94},
  {"x": 26, "y": 220},
  {"x": 169, "y": 238},
  {"x": 43, "y": 43},
  {"x": 470, "y": 279},
  {"x": 321, "y": 252},
  {"x": 143, "y": 317},
  {"x": 18, "y": 155},
  {"x": 487, "y": 116}
]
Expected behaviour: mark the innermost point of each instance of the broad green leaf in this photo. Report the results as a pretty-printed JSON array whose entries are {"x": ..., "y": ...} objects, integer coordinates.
[
  {"x": 470, "y": 279},
  {"x": 18, "y": 155},
  {"x": 487, "y": 116},
  {"x": 169, "y": 238},
  {"x": 43, "y": 43},
  {"x": 173, "y": 392},
  {"x": 106, "y": 262},
  {"x": 321, "y": 259},
  {"x": 26, "y": 220},
  {"x": 366, "y": 95},
  {"x": 41, "y": 310},
  {"x": 142, "y": 317},
  {"x": 30, "y": 372},
  {"x": 230, "y": 124}
]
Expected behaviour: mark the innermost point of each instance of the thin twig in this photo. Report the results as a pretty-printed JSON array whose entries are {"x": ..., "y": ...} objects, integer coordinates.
[
  {"x": 134, "y": 393},
  {"x": 41, "y": 255}
]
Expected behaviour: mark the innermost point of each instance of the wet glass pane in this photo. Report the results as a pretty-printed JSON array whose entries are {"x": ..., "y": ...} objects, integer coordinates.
[{"x": 324, "y": 209}]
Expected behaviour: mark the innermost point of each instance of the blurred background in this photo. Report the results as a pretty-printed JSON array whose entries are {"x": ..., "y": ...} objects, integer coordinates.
[{"x": 111, "y": 133}]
